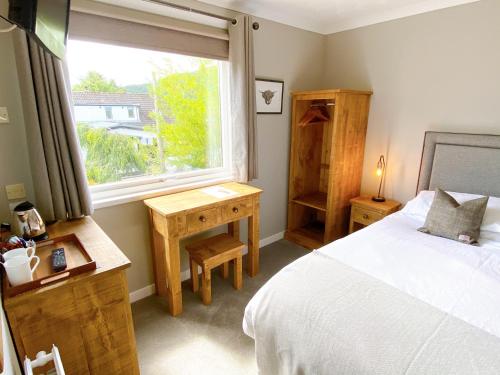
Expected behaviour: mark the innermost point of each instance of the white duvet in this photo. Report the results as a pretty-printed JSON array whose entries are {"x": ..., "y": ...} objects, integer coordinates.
[
  {"x": 459, "y": 279},
  {"x": 304, "y": 299}
]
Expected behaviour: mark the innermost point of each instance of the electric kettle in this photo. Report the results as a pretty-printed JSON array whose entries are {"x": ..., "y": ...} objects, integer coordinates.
[{"x": 28, "y": 223}]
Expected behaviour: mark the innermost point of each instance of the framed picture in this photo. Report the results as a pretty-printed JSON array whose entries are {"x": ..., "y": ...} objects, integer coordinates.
[{"x": 269, "y": 96}]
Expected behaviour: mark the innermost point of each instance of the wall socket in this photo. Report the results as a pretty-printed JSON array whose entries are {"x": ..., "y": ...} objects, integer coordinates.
[
  {"x": 15, "y": 191},
  {"x": 4, "y": 115}
]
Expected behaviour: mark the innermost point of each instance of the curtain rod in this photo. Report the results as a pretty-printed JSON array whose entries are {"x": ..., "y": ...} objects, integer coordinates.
[{"x": 192, "y": 10}]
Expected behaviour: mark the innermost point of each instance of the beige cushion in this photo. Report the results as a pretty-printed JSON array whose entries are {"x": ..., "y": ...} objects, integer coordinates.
[{"x": 447, "y": 218}]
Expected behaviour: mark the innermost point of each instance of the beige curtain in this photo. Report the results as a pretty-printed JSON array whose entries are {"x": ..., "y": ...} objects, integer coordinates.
[
  {"x": 59, "y": 178},
  {"x": 243, "y": 113}
]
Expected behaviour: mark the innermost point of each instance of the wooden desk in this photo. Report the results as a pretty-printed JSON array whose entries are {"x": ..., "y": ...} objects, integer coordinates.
[
  {"x": 179, "y": 215},
  {"x": 88, "y": 316}
]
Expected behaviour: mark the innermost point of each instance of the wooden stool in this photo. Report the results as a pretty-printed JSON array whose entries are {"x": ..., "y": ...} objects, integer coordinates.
[{"x": 214, "y": 252}]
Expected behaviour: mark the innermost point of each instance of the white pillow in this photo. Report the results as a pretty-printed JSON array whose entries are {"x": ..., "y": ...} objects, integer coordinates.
[
  {"x": 489, "y": 239},
  {"x": 421, "y": 204},
  {"x": 492, "y": 236}
]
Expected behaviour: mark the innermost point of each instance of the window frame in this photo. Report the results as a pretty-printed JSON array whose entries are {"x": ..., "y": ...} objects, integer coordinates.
[{"x": 134, "y": 189}]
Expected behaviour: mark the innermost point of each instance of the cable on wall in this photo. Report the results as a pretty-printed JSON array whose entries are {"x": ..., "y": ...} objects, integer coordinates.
[{"x": 9, "y": 29}]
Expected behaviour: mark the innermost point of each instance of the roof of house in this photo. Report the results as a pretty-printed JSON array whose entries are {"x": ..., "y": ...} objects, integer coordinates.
[{"x": 143, "y": 101}]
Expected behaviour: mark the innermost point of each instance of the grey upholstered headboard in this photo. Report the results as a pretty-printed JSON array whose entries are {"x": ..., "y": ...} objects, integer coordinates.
[{"x": 466, "y": 163}]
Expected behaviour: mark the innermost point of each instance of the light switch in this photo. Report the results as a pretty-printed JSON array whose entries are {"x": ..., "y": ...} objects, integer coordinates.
[
  {"x": 4, "y": 115},
  {"x": 15, "y": 191}
]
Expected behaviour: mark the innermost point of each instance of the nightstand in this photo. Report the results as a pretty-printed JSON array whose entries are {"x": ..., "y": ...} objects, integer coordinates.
[{"x": 365, "y": 211}]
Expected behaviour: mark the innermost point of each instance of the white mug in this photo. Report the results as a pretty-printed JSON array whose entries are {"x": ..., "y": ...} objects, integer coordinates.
[
  {"x": 28, "y": 252},
  {"x": 19, "y": 269}
]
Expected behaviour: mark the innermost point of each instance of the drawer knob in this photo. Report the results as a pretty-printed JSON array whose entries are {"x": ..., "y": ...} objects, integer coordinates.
[
  {"x": 235, "y": 210},
  {"x": 365, "y": 216},
  {"x": 202, "y": 218}
]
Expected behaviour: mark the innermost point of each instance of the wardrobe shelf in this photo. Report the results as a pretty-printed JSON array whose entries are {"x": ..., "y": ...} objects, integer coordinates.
[
  {"x": 315, "y": 200},
  {"x": 306, "y": 237}
]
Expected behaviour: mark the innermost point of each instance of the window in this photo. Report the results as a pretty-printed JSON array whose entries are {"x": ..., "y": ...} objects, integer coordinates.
[
  {"x": 109, "y": 113},
  {"x": 179, "y": 107},
  {"x": 131, "y": 112}
]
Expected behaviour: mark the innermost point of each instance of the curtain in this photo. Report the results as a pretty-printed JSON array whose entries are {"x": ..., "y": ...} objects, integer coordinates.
[
  {"x": 243, "y": 113},
  {"x": 57, "y": 169}
]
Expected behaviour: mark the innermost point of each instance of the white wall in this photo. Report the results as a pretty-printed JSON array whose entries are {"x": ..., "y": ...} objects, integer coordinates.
[
  {"x": 435, "y": 71},
  {"x": 14, "y": 164}
]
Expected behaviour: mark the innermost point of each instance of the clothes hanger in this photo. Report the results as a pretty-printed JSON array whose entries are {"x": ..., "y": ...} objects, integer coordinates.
[{"x": 317, "y": 112}]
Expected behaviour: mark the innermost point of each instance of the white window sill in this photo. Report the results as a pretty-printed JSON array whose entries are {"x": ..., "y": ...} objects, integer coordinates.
[{"x": 123, "y": 198}]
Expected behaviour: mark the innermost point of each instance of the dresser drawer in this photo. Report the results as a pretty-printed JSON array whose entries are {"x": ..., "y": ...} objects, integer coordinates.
[
  {"x": 236, "y": 210},
  {"x": 201, "y": 220},
  {"x": 365, "y": 216}
]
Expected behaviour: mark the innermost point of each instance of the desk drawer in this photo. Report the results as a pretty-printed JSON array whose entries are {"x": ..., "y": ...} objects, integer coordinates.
[
  {"x": 201, "y": 220},
  {"x": 236, "y": 210},
  {"x": 365, "y": 217}
]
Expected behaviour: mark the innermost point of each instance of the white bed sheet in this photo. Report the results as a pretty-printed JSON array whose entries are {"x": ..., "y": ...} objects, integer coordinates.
[{"x": 459, "y": 279}]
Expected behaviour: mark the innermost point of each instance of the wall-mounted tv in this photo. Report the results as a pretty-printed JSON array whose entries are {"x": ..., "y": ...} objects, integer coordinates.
[{"x": 47, "y": 20}]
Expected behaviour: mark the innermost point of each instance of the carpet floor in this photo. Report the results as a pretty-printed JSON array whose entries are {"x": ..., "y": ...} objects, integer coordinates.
[{"x": 205, "y": 339}]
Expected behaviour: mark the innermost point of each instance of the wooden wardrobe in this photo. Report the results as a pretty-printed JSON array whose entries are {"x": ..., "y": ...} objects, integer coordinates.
[{"x": 328, "y": 133}]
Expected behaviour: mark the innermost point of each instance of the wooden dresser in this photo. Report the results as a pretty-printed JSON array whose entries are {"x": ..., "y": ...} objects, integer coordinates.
[
  {"x": 326, "y": 160},
  {"x": 88, "y": 317}
]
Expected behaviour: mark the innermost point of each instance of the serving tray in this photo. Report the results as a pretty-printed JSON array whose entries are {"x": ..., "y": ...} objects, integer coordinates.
[{"x": 78, "y": 261}]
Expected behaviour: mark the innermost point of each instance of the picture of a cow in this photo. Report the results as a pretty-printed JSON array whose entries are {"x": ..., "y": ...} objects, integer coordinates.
[{"x": 268, "y": 96}]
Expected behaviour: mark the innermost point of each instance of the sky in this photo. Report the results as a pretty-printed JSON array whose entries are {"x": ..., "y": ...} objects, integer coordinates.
[{"x": 125, "y": 65}]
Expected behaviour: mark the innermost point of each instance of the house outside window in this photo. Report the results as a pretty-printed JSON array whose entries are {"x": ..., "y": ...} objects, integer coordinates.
[{"x": 165, "y": 120}]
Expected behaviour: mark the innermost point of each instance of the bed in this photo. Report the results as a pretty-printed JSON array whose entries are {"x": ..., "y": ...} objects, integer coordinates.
[{"x": 389, "y": 299}]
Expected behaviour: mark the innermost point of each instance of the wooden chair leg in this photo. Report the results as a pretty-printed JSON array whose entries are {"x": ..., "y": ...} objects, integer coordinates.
[
  {"x": 224, "y": 270},
  {"x": 206, "y": 288},
  {"x": 238, "y": 279},
  {"x": 193, "y": 270}
]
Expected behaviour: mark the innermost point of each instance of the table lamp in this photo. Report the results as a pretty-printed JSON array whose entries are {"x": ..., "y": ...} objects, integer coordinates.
[{"x": 380, "y": 173}]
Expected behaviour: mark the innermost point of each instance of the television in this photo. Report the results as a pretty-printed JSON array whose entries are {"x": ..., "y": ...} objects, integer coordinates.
[{"x": 46, "y": 20}]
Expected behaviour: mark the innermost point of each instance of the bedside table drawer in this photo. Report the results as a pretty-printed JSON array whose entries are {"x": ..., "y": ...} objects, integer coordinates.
[
  {"x": 236, "y": 210},
  {"x": 364, "y": 216},
  {"x": 202, "y": 220}
]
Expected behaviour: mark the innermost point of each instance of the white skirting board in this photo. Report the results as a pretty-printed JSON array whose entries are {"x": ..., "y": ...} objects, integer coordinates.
[{"x": 139, "y": 294}]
